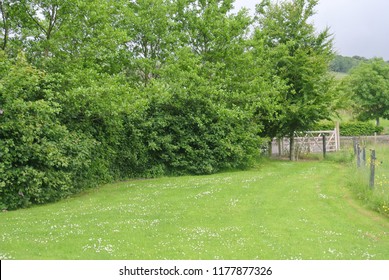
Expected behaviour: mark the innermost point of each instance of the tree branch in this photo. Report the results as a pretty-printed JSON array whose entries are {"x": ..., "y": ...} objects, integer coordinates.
[
  {"x": 36, "y": 22},
  {"x": 5, "y": 25}
]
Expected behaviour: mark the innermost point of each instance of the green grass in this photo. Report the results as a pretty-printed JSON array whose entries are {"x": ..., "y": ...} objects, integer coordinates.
[{"x": 278, "y": 210}]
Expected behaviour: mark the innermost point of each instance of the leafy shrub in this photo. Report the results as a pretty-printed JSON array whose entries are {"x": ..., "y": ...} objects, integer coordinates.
[
  {"x": 40, "y": 160},
  {"x": 190, "y": 132},
  {"x": 106, "y": 109}
]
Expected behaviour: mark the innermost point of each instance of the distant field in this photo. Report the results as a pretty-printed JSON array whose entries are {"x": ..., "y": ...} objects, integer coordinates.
[
  {"x": 278, "y": 210},
  {"x": 339, "y": 75}
]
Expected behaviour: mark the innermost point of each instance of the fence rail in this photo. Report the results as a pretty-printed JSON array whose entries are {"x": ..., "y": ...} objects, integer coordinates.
[{"x": 378, "y": 139}]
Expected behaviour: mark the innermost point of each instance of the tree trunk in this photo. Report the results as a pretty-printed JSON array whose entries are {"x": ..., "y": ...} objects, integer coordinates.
[
  {"x": 270, "y": 148},
  {"x": 291, "y": 147},
  {"x": 378, "y": 121},
  {"x": 4, "y": 15}
]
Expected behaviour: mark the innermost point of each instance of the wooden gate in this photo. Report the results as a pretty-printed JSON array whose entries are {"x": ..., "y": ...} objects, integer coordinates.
[{"x": 309, "y": 142}]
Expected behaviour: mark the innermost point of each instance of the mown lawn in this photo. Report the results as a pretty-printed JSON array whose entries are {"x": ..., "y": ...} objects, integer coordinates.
[{"x": 278, "y": 210}]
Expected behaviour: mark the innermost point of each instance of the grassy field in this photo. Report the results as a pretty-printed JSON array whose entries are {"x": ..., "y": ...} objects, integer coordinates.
[{"x": 278, "y": 210}]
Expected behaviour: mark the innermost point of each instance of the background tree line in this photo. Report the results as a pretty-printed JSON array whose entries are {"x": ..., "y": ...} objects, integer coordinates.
[
  {"x": 343, "y": 64},
  {"x": 94, "y": 91}
]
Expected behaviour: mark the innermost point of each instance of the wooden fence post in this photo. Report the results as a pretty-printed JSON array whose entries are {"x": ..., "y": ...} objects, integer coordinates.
[
  {"x": 358, "y": 156},
  {"x": 372, "y": 168},
  {"x": 324, "y": 146}
]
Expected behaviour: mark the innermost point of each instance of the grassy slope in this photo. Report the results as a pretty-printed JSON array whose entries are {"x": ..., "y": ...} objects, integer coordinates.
[{"x": 280, "y": 210}]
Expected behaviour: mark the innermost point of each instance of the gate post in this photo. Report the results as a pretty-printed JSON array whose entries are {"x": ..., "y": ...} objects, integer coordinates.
[{"x": 337, "y": 136}]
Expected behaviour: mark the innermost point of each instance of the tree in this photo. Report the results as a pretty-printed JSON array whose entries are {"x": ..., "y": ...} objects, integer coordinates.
[
  {"x": 369, "y": 83},
  {"x": 58, "y": 36},
  {"x": 5, "y": 11},
  {"x": 41, "y": 26},
  {"x": 299, "y": 56},
  {"x": 152, "y": 37},
  {"x": 12, "y": 18}
]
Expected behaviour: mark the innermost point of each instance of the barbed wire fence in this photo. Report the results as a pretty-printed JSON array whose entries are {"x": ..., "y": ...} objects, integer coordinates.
[{"x": 372, "y": 174}]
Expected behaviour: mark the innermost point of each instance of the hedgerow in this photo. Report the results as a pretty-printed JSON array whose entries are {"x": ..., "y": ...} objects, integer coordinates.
[
  {"x": 61, "y": 134},
  {"x": 353, "y": 128}
]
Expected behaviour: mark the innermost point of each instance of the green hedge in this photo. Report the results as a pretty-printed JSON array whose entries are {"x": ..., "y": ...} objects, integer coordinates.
[
  {"x": 354, "y": 128},
  {"x": 40, "y": 159}
]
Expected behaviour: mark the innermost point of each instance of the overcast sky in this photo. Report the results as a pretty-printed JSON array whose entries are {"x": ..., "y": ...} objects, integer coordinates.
[{"x": 360, "y": 27}]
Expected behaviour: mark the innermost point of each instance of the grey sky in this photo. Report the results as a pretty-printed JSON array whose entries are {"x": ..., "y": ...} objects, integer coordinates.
[{"x": 360, "y": 27}]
